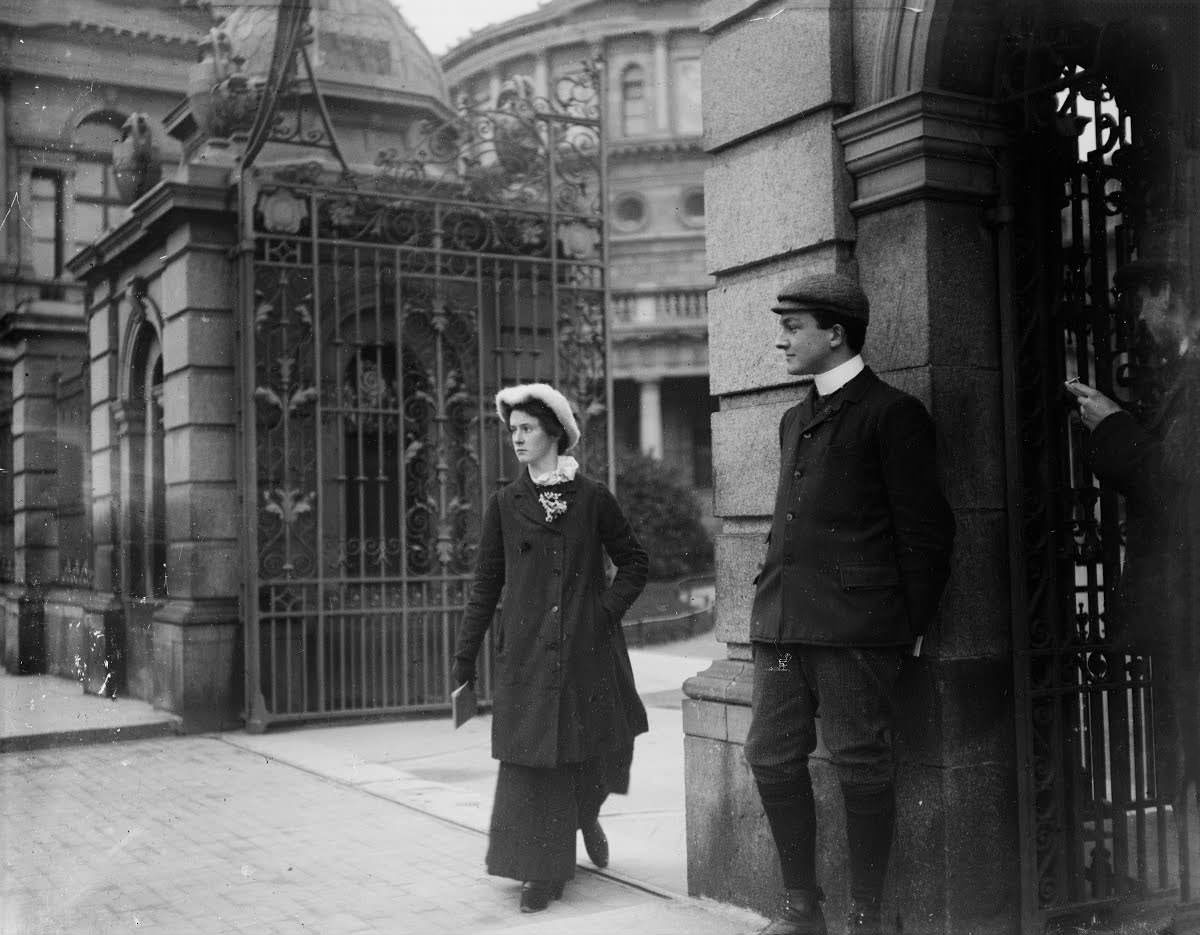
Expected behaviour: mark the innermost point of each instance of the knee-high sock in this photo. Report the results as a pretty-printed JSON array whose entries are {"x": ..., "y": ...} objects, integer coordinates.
[
  {"x": 870, "y": 818},
  {"x": 792, "y": 815}
]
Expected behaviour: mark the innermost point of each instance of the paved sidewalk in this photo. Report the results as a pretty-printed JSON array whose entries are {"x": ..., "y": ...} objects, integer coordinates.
[
  {"x": 196, "y": 835},
  {"x": 39, "y": 711},
  {"x": 363, "y": 828},
  {"x": 427, "y": 765}
]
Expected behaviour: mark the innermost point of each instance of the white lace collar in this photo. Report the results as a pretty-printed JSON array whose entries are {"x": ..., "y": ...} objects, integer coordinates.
[{"x": 563, "y": 471}]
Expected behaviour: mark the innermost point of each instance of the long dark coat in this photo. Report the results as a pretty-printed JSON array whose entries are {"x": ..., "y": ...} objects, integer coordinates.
[
  {"x": 563, "y": 688},
  {"x": 1157, "y": 608},
  {"x": 859, "y": 546}
]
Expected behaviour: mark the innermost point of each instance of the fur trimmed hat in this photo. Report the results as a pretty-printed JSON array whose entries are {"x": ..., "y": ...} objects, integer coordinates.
[{"x": 511, "y": 397}]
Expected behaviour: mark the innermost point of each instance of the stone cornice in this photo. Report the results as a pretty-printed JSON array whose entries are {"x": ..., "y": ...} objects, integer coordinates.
[
  {"x": 626, "y": 148},
  {"x": 925, "y": 145},
  {"x": 29, "y": 322},
  {"x": 523, "y": 34},
  {"x": 148, "y": 214}
]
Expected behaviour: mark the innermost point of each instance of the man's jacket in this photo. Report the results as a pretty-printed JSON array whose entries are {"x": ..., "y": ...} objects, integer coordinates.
[{"x": 859, "y": 547}]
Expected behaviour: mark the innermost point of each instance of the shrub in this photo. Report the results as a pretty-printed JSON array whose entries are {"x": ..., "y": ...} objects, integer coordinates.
[{"x": 665, "y": 516}]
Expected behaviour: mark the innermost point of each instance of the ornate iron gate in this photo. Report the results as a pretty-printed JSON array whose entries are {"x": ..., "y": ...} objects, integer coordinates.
[
  {"x": 1096, "y": 822},
  {"x": 382, "y": 315}
]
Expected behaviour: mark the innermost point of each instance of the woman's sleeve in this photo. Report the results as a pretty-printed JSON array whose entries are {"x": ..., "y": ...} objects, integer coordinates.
[
  {"x": 485, "y": 591},
  {"x": 622, "y": 546}
]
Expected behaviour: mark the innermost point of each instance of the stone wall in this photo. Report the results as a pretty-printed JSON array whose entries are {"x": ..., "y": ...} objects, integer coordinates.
[{"x": 805, "y": 177}]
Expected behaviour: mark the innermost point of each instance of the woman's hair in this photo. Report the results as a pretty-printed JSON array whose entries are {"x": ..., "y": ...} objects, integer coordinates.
[{"x": 545, "y": 418}]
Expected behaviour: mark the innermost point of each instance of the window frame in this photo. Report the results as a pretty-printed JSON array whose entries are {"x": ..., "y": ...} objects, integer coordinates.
[{"x": 635, "y": 121}]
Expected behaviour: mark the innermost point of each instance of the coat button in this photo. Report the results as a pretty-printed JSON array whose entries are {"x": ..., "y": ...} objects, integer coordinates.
[
  {"x": 799, "y": 473},
  {"x": 790, "y": 517},
  {"x": 554, "y": 609}
]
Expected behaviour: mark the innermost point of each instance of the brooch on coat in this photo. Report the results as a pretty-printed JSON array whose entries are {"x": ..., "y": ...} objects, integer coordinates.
[{"x": 553, "y": 503}]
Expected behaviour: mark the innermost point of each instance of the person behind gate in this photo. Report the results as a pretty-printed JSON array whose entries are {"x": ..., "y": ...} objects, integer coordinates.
[
  {"x": 565, "y": 708},
  {"x": 1155, "y": 463},
  {"x": 857, "y": 557}
]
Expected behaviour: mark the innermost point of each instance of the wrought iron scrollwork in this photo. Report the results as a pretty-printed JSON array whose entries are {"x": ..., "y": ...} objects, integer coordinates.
[
  {"x": 1088, "y": 729},
  {"x": 387, "y": 310}
]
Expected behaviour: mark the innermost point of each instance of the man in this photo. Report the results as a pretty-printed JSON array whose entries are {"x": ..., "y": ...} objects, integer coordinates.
[
  {"x": 856, "y": 561},
  {"x": 1156, "y": 466}
]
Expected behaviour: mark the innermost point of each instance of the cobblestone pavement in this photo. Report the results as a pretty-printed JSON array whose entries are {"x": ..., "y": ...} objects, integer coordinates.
[{"x": 195, "y": 835}]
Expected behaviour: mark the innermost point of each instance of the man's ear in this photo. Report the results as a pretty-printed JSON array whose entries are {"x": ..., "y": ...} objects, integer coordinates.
[{"x": 837, "y": 336}]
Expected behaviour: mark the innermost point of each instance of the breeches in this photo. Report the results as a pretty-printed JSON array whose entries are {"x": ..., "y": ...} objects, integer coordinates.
[{"x": 850, "y": 688}]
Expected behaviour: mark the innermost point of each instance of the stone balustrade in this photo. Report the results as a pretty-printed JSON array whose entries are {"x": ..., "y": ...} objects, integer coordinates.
[{"x": 660, "y": 308}]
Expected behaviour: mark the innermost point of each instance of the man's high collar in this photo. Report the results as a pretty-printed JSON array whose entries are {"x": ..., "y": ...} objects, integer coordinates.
[{"x": 833, "y": 380}]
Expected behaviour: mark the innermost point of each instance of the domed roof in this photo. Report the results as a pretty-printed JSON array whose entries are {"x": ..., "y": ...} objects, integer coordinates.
[{"x": 357, "y": 43}]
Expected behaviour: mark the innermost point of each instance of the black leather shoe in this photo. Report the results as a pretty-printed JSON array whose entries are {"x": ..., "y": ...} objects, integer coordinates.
[
  {"x": 801, "y": 915},
  {"x": 596, "y": 844},
  {"x": 536, "y": 894},
  {"x": 865, "y": 918}
]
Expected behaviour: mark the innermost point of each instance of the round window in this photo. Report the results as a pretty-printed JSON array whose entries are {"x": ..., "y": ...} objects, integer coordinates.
[{"x": 630, "y": 211}]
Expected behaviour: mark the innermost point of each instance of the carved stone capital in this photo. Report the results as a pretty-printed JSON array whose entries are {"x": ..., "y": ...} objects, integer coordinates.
[
  {"x": 925, "y": 145},
  {"x": 128, "y": 417}
]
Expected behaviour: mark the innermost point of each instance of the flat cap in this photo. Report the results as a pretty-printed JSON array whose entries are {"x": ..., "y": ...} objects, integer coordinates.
[{"x": 834, "y": 292}]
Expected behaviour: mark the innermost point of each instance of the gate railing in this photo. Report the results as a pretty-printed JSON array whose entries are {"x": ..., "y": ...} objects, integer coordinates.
[
  {"x": 380, "y": 314},
  {"x": 1096, "y": 821}
]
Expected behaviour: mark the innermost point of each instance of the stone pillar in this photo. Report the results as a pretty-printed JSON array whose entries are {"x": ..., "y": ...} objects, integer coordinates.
[
  {"x": 48, "y": 337},
  {"x": 197, "y": 634},
  {"x": 541, "y": 74},
  {"x": 167, "y": 278},
  {"x": 781, "y": 204},
  {"x": 662, "y": 84},
  {"x": 650, "y": 422},
  {"x": 494, "y": 86},
  {"x": 103, "y": 350},
  {"x": 6, "y": 189},
  {"x": 925, "y": 167}
]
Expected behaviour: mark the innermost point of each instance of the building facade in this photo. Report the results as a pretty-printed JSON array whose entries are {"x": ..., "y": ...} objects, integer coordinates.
[
  {"x": 651, "y": 54},
  {"x": 126, "y": 465},
  {"x": 74, "y": 75},
  {"x": 984, "y": 168}
]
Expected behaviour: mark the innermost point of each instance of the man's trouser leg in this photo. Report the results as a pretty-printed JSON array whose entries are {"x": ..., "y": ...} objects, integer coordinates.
[
  {"x": 781, "y": 737},
  {"x": 855, "y": 689}
]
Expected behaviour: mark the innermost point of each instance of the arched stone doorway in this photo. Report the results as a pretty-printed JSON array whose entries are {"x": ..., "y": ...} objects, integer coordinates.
[
  {"x": 143, "y": 517},
  {"x": 946, "y": 177},
  {"x": 1036, "y": 148}
]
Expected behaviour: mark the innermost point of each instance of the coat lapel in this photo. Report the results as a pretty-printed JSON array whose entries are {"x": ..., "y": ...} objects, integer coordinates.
[{"x": 852, "y": 392}]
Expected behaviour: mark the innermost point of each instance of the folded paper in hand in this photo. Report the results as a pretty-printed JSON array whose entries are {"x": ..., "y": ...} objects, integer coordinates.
[{"x": 463, "y": 705}]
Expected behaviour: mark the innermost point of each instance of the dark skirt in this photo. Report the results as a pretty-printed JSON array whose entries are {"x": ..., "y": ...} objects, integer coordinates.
[{"x": 537, "y": 811}]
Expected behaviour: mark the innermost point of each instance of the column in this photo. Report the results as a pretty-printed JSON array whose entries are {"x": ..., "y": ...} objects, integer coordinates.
[
  {"x": 925, "y": 172},
  {"x": 199, "y": 628},
  {"x": 650, "y": 423},
  {"x": 662, "y": 84},
  {"x": 6, "y": 192},
  {"x": 494, "y": 85},
  {"x": 49, "y": 338},
  {"x": 541, "y": 75}
]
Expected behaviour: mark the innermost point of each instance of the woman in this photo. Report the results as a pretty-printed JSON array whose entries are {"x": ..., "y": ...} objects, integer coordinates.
[{"x": 565, "y": 710}]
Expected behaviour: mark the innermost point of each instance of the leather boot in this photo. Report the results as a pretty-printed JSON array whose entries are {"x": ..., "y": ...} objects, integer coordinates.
[
  {"x": 596, "y": 843},
  {"x": 865, "y": 918},
  {"x": 801, "y": 914},
  {"x": 537, "y": 894}
]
